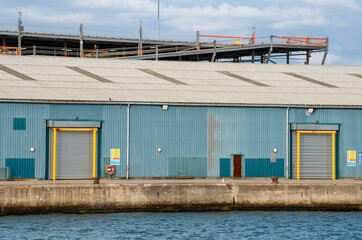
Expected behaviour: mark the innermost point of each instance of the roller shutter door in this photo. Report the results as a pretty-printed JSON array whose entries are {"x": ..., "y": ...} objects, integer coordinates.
[
  {"x": 315, "y": 155},
  {"x": 73, "y": 154}
]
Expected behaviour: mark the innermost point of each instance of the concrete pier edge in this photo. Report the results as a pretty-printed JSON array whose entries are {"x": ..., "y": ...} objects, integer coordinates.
[{"x": 172, "y": 197}]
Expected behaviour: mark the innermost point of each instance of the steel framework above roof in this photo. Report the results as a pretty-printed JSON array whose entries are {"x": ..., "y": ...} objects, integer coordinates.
[{"x": 236, "y": 49}]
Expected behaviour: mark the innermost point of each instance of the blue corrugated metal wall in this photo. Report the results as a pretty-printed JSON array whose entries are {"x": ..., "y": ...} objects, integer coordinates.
[
  {"x": 16, "y": 144},
  {"x": 179, "y": 131},
  {"x": 349, "y": 135},
  {"x": 202, "y": 135},
  {"x": 253, "y": 131},
  {"x": 262, "y": 167}
]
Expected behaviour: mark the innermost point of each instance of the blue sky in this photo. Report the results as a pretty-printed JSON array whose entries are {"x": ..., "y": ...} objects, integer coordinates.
[{"x": 180, "y": 19}]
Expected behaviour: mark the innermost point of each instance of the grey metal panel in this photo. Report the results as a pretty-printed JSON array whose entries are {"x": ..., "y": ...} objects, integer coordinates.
[
  {"x": 156, "y": 74},
  {"x": 315, "y": 155},
  {"x": 243, "y": 78},
  {"x": 15, "y": 73},
  {"x": 89, "y": 74},
  {"x": 356, "y": 75},
  {"x": 314, "y": 127},
  {"x": 311, "y": 80},
  {"x": 74, "y": 155},
  {"x": 73, "y": 124}
]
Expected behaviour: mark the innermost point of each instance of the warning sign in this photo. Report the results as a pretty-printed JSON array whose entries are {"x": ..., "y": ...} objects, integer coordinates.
[
  {"x": 115, "y": 157},
  {"x": 351, "y": 158}
]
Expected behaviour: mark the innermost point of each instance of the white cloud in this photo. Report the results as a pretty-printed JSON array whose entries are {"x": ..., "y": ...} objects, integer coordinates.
[
  {"x": 226, "y": 16},
  {"x": 333, "y": 3},
  {"x": 35, "y": 14},
  {"x": 134, "y": 5},
  {"x": 213, "y": 18}
]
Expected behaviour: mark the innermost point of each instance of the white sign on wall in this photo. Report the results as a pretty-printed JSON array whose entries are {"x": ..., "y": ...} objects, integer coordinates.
[
  {"x": 351, "y": 158},
  {"x": 115, "y": 157}
]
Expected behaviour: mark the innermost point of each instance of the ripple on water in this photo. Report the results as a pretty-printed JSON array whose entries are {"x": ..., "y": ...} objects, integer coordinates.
[{"x": 207, "y": 225}]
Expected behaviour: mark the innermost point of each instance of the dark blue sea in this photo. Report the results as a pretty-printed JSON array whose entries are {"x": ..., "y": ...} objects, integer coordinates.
[{"x": 206, "y": 225}]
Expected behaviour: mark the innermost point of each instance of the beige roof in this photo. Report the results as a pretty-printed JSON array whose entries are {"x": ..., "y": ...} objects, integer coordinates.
[{"x": 49, "y": 79}]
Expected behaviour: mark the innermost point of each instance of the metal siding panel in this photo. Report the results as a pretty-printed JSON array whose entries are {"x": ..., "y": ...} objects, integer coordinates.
[
  {"x": 347, "y": 138},
  {"x": 179, "y": 131},
  {"x": 187, "y": 166},
  {"x": 21, "y": 167},
  {"x": 253, "y": 131},
  {"x": 16, "y": 144},
  {"x": 262, "y": 167},
  {"x": 225, "y": 167}
]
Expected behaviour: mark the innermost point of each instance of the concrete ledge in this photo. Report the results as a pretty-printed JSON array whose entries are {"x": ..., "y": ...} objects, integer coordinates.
[{"x": 81, "y": 198}]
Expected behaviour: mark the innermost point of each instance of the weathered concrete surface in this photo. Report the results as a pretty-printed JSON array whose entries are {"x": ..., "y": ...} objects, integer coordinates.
[{"x": 78, "y": 198}]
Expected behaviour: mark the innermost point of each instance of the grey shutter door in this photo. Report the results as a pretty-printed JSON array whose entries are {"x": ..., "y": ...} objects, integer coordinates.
[
  {"x": 315, "y": 155},
  {"x": 74, "y": 155}
]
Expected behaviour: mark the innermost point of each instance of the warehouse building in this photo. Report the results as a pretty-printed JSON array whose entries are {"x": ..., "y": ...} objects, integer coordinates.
[{"x": 69, "y": 118}]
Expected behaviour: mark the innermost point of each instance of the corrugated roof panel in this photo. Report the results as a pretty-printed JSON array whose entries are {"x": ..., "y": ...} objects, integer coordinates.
[{"x": 205, "y": 84}]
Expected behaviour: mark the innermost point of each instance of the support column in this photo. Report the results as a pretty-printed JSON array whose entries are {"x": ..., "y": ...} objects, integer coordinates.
[
  {"x": 81, "y": 40},
  {"x": 307, "y": 57},
  {"x": 4, "y": 45},
  {"x": 197, "y": 44},
  {"x": 269, "y": 53},
  {"x": 288, "y": 58},
  {"x": 140, "y": 47},
  {"x": 325, "y": 53},
  {"x": 253, "y": 56},
  {"x": 65, "y": 49},
  {"x": 34, "y": 50},
  {"x": 20, "y": 28},
  {"x": 213, "y": 58},
  {"x": 262, "y": 58}
]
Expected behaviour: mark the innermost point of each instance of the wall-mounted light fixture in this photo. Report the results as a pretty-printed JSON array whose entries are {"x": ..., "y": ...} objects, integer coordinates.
[
  {"x": 32, "y": 149},
  {"x": 159, "y": 150},
  {"x": 309, "y": 111},
  {"x": 165, "y": 107},
  {"x": 275, "y": 150}
]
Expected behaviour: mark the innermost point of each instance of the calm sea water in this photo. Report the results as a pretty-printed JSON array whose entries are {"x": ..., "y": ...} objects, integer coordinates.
[{"x": 208, "y": 225}]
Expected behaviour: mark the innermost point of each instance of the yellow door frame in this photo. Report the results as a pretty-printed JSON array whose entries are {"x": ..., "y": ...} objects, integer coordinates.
[
  {"x": 333, "y": 150},
  {"x": 73, "y": 130}
]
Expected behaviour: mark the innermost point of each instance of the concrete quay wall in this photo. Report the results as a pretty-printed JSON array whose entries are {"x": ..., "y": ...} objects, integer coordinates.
[{"x": 82, "y": 198}]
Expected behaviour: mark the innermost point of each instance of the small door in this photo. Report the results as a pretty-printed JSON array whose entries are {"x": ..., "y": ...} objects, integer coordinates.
[{"x": 237, "y": 166}]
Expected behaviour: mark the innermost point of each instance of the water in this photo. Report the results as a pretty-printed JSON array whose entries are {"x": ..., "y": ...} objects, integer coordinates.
[{"x": 208, "y": 225}]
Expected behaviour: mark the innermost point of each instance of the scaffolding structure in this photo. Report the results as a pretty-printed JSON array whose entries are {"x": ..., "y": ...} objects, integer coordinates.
[{"x": 270, "y": 49}]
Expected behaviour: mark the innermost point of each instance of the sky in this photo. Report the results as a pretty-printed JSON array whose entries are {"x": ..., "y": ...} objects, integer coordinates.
[{"x": 340, "y": 20}]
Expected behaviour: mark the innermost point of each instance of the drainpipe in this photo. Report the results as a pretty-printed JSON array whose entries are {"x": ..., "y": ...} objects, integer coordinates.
[
  {"x": 127, "y": 172},
  {"x": 287, "y": 145}
]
